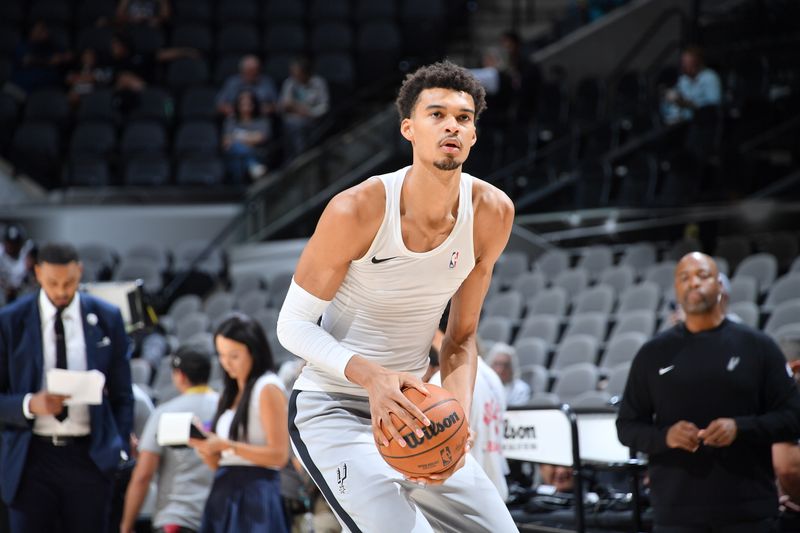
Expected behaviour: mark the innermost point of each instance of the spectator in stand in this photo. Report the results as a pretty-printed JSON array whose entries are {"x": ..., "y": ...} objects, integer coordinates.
[
  {"x": 38, "y": 61},
  {"x": 786, "y": 455},
  {"x": 16, "y": 262},
  {"x": 183, "y": 481},
  {"x": 503, "y": 360},
  {"x": 249, "y": 78},
  {"x": 151, "y": 12},
  {"x": 244, "y": 136},
  {"x": 698, "y": 87},
  {"x": 88, "y": 75},
  {"x": 304, "y": 100}
]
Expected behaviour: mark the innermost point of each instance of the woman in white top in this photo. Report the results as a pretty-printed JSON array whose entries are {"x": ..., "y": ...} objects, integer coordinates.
[{"x": 250, "y": 440}]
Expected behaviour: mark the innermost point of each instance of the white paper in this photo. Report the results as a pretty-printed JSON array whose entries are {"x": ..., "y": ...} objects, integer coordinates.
[
  {"x": 82, "y": 387},
  {"x": 173, "y": 429}
]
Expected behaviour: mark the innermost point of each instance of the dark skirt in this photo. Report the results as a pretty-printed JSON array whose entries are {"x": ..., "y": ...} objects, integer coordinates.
[{"x": 244, "y": 499}]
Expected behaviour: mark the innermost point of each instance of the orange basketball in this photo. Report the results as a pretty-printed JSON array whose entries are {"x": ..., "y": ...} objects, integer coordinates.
[{"x": 444, "y": 441}]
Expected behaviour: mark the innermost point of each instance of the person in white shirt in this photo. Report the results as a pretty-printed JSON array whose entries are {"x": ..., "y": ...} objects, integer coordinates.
[
  {"x": 304, "y": 99},
  {"x": 698, "y": 87},
  {"x": 503, "y": 360},
  {"x": 249, "y": 442}
]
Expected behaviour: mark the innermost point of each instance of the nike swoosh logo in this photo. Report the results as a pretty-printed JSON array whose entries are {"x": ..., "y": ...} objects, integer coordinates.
[
  {"x": 664, "y": 370},
  {"x": 375, "y": 260}
]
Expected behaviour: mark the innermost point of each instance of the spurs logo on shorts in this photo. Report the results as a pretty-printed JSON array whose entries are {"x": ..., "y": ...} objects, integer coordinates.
[{"x": 341, "y": 475}]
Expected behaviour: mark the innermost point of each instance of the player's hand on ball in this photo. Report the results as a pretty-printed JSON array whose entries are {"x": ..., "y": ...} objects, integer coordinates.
[
  {"x": 386, "y": 398},
  {"x": 441, "y": 477}
]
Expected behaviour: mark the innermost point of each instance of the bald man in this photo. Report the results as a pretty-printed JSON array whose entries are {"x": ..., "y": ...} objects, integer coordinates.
[{"x": 706, "y": 399}]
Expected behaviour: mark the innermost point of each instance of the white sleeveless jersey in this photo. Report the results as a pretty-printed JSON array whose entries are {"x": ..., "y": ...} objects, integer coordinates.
[{"x": 390, "y": 302}]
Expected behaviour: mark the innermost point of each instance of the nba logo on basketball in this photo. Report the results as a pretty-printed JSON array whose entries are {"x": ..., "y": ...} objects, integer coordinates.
[
  {"x": 447, "y": 456},
  {"x": 453, "y": 259}
]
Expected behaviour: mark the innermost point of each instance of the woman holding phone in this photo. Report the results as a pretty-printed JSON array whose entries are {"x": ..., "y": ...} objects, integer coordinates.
[{"x": 249, "y": 440}]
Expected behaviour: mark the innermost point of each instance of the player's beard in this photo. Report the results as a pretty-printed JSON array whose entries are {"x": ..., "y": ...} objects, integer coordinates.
[
  {"x": 699, "y": 306},
  {"x": 447, "y": 164}
]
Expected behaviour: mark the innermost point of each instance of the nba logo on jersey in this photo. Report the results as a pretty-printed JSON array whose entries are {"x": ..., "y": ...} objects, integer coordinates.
[{"x": 453, "y": 259}]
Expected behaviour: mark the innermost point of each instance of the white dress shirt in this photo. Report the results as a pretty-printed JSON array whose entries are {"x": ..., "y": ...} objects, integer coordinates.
[{"x": 77, "y": 423}]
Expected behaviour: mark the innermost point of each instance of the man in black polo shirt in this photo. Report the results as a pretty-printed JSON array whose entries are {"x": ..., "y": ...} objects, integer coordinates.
[{"x": 706, "y": 399}]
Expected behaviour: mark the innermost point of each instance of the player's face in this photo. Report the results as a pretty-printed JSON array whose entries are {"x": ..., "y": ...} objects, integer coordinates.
[
  {"x": 697, "y": 285},
  {"x": 441, "y": 127},
  {"x": 59, "y": 282},
  {"x": 234, "y": 357}
]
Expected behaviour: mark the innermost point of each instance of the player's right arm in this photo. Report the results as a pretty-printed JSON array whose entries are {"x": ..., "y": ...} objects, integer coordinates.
[{"x": 344, "y": 233}]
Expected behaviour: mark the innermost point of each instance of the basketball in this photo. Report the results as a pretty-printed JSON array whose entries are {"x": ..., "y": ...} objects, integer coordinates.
[{"x": 443, "y": 443}]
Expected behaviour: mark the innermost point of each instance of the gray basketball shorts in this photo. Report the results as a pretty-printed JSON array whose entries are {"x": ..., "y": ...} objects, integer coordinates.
[{"x": 332, "y": 436}]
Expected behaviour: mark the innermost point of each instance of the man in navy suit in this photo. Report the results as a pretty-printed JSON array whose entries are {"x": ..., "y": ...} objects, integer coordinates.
[{"x": 56, "y": 461}]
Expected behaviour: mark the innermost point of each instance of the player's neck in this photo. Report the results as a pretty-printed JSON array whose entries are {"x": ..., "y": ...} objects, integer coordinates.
[
  {"x": 431, "y": 193},
  {"x": 705, "y": 321}
]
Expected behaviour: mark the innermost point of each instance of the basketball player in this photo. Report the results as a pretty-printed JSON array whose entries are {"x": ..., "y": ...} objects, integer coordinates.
[{"x": 385, "y": 258}]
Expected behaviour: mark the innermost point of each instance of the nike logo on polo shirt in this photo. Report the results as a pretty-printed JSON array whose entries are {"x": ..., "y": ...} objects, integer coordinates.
[
  {"x": 375, "y": 259},
  {"x": 732, "y": 363},
  {"x": 664, "y": 370}
]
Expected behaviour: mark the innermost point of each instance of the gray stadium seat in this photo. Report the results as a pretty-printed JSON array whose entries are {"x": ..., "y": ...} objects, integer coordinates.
[
  {"x": 190, "y": 325},
  {"x": 639, "y": 257},
  {"x": 591, "y": 399},
  {"x": 640, "y": 321},
  {"x": 529, "y": 284},
  {"x": 662, "y": 274},
  {"x": 552, "y": 263},
  {"x": 252, "y": 302},
  {"x": 246, "y": 282},
  {"x": 200, "y": 169},
  {"x": 278, "y": 286},
  {"x": 785, "y": 313},
  {"x": 183, "y": 306},
  {"x": 597, "y": 299},
  {"x": 762, "y": 267},
  {"x": 141, "y": 371},
  {"x": 683, "y": 247},
  {"x": 552, "y": 301},
  {"x": 193, "y": 35},
  {"x": 575, "y": 380},
  {"x": 507, "y": 304},
  {"x": 285, "y": 38},
  {"x": 147, "y": 169},
  {"x": 152, "y": 251},
  {"x": 332, "y": 37},
  {"x": 747, "y": 311},
  {"x": 595, "y": 260},
  {"x": 536, "y": 376},
  {"x": 795, "y": 265},
  {"x": 531, "y": 351},
  {"x": 573, "y": 281},
  {"x": 621, "y": 350},
  {"x": 140, "y": 268},
  {"x": 543, "y": 327},
  {"x": 743, "y": 289},
  {"x": 238, "y": 38},
  {"x": 782, "y": 245},
  {"x": 733, "y": 248},
  {"x": 592, "y": 324},
  {"x": 785, "y": 288},
  {"x": 268, "y": 318},
  {"x": 573, "y": 350},
  {"x": 617, "y": 379},
  {"x": 509, "y": 267},
  {"x": 218, "y": 305},
  {"x": 495, "y": 329},
  {"x": 642, "y": 297},
  {"x": 619, "y": 277}
]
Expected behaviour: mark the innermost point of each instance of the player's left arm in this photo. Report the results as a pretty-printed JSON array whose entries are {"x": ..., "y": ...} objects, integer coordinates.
[{"x": 494, "y": 216}]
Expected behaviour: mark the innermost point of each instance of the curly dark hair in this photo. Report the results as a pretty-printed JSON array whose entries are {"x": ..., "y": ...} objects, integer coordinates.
[{"x": 441, "y": 75}]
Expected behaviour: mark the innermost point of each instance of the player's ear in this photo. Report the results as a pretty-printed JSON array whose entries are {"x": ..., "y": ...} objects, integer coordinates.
[
  {"x": 407, "y": 129},
  {"x": 474, "y": 137}
]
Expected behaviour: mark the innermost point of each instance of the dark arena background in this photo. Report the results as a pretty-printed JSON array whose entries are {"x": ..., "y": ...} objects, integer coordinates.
[{"x": 187, "y": 148}]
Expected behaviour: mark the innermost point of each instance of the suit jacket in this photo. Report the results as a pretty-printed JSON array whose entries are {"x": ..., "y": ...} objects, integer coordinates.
[{"x": 21, "y": 367}]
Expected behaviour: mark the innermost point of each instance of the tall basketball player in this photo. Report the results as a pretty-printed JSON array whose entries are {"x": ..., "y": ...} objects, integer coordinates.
[{"x": 386, "y": 257}]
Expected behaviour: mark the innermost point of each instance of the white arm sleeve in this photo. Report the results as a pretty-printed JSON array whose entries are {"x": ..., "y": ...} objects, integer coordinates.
[{"x": 299, "y": 333}]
